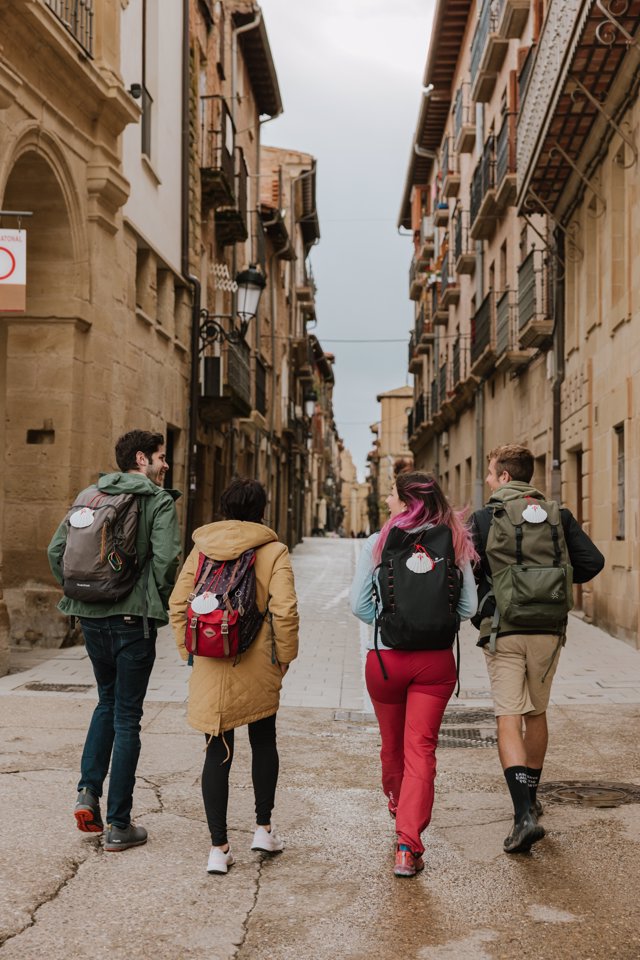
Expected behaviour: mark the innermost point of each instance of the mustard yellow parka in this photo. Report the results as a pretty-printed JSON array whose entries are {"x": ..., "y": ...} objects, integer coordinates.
[{"x": 221, "y": 695}]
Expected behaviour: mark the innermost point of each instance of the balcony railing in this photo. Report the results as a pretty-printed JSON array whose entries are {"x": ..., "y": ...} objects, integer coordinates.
[
  {"x": 435, "y": 404},
  {"x": 417, "y": 277},
  {"x": 217, "y": 166},
  {"x": 535, "y": 320},
  {"x": 232, "y": 221},
  {"x": 483, "y": 208},
  {"x": 511, "y": 17},
  {"x": 488, "y": 50},
  {"x": 449, "y": 169},
  {"x": 525, "y": 71},
  {"x": 261, "y": 387},
  {"x": 509, "y": 356},
  {"x": 506, "y": 162},
  {"x": 442, "y": 383},
  {"x": 464, "y": 254},
  {"x": 449, "y": 289},
  {"x": 482, "y": 335},
  {"x": 77, "y": 17},
  {"x": 464, "y": 128}
]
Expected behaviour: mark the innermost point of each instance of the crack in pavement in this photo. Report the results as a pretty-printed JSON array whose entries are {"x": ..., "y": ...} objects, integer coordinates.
[
  {"x": 247, "y": 919},
  {"x": 157, "y": 789},
  {"x": 74, "y": 865}
]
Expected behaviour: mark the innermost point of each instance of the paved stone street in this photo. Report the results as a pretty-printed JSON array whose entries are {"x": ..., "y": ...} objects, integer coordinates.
[{"x": 331, "y": 894}]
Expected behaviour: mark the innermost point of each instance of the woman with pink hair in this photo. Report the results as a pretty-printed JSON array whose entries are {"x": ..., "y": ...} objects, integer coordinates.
[{"x": 410, "y": 688}]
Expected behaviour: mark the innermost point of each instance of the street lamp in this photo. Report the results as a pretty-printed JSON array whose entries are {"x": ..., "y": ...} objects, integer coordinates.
[
  {"x": 309, "y": 401},
  {"x": 249, "y": 286}
]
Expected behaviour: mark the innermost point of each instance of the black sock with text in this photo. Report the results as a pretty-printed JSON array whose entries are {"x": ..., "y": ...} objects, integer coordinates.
[
  {"x": 518, "y": 783},
  {"x": 533, "y": 778}
]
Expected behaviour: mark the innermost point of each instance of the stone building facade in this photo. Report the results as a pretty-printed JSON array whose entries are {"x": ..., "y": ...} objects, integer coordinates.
[
  {"x": 519, "y": 196},
  {"x": 135, "y": 142},
  {"x": 390, "y": 446}
]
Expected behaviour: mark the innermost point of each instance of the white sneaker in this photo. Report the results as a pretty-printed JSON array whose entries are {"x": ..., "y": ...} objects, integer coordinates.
[
  {"x": 267, "y": 841},
  {"x": 219, "y": 861}
]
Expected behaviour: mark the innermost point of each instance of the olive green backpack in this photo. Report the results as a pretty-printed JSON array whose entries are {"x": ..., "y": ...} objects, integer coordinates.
[{"x": 531, "y": 575}]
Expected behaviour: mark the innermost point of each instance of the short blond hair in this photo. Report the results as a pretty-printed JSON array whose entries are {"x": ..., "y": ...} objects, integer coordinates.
[{"x": 515, "y": 459}]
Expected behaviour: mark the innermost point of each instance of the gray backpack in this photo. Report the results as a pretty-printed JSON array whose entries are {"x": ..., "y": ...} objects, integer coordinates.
[{"x": 100, "y": 562}]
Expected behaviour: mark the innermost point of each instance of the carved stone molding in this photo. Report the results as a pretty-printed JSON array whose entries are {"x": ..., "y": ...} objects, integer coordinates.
[{"x": 10, "y": 83}]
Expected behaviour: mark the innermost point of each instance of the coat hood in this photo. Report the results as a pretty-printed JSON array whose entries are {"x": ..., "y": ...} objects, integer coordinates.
[
  {"x": 133, "y": 483},
  {"x": 227, "y": 539},
  {"x": 515, "y": 490}
]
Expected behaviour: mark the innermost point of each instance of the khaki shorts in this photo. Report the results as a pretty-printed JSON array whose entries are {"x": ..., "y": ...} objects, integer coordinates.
[{"x": 516, "y": 670}]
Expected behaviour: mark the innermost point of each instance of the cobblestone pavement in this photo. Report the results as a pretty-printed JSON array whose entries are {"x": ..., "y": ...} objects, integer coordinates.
[{"x": 594, "y": 667}]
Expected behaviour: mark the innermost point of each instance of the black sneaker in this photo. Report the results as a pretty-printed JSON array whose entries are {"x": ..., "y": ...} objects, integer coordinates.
[
  {"x": 121, "y": 838},
  {"x": 525, "y": 833},
  {"x": 539, "y": 809},
  {"x": 87, "y": 813}
]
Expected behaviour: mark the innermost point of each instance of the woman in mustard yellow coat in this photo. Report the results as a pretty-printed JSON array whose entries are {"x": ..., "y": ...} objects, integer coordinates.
[{"x": 229, "y": 693}]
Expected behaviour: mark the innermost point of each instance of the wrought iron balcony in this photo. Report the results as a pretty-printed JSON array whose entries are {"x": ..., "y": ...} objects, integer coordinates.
[
  {"x": 217, "y": 167},
  {"x": 483, "y": 337},
  {"x": 418, "y": 417},
  {"x": 535, "y": 320},
  {"x": 439, "y": 312},
  {"x": 443, "y": 383},
  {"x": 450, "y": 170},
  {"x": 483, "y": 210},
  {"x": 449, "y": 288},
  {"x": 464, "y": 254},
  {"x": 506, "y": 181},
  {"x": 509, "y": 356},
  {"x": 488, "y": 50},
  {"x": 417, "y": 278},
  {"x": 435, "y": 397},
  {"x": 511, "y": 17},
  {"x": 228, "y": 396},
  {"x": 415, "y": 359},
  {"x": 232, "y": 221},
  {"x": 464, "y": 125},
  {"x": 441, "y": 213},
  {"x": 77, "y": 17},
  {"x": 423, "y": 329}
]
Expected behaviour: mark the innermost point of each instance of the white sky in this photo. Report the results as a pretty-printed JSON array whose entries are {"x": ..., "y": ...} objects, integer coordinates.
[{"x": 350, "y": 75}]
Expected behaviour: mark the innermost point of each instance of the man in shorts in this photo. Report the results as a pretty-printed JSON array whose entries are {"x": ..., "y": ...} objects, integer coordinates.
[{"x": 523, "y": 664}]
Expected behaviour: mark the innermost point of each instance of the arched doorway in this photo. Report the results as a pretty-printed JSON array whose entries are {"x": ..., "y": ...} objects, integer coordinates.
[{"x": 40, "y": 394}]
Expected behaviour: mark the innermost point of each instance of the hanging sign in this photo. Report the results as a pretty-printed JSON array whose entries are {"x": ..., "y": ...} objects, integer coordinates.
[{"x": 13, "y": 270}]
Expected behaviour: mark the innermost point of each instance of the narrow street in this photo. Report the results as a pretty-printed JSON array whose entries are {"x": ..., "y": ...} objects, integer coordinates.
[{"x": 331, "y": 894}]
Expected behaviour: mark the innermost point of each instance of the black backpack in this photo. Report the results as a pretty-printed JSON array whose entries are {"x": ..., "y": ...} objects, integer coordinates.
[{"x": 418, "y": 591}]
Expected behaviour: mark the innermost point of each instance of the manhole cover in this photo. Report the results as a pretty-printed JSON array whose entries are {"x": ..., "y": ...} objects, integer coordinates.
[
  {"x": 593, "y": 793},
  {"x": 455, "y": 717},
  {"x": 57, "y": 687},
  {"x": 465, "y": 737}
]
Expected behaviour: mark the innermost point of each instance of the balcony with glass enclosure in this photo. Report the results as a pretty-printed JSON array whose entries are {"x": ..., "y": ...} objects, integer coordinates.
[
  {"x": 450, "y": 170},
  {"x": 511, "y": 17},
  {"x": 463, "y": 248},
  {"x": 464, "y": 122},
  {"x": 449, "y": 286}
]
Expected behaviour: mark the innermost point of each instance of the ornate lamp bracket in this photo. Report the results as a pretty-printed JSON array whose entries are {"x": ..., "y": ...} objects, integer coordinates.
[
  {"x": 581, "y": 89},
  {"x": 574, "y": 251},
  {"x": 606, "y": 31},
  {"x": 556, "y": 148}
]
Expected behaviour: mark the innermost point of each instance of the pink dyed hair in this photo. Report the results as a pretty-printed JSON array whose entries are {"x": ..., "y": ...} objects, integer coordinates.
[{"x": 426, "y": 503}]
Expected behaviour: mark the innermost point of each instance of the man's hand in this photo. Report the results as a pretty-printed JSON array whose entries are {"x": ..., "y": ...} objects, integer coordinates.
[{"x": 283, "y": 668}]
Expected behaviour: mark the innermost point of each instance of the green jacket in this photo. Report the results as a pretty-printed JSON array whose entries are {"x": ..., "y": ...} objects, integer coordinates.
[{"x": 158, "y": 535}]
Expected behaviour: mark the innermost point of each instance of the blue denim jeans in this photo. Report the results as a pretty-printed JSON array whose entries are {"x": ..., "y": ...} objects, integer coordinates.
[{"x": 122, "y": 661}]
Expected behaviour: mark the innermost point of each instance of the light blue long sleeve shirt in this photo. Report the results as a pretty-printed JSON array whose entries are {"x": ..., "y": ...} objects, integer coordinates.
[{"x": 362, "y": 602}]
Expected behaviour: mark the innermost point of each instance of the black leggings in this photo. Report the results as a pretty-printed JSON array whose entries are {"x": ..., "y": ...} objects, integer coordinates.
[{"x": 264, "y": 773}]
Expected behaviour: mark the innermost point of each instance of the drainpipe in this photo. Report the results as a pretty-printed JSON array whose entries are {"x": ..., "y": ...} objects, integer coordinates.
[
  {"x": 559, "y": 374},
  {"x": 193, "y": 411},
  {"x": 184, "y": 186},
  {"x": 234, "y": 56},
  {"x": 478, "y": 485}
]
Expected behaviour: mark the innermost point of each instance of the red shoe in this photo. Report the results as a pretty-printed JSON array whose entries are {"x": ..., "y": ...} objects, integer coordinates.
[{"x": 407, "y": 862}]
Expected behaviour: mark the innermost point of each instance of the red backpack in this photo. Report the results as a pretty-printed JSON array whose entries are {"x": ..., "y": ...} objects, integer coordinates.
[{"x": 223, "y": 618}]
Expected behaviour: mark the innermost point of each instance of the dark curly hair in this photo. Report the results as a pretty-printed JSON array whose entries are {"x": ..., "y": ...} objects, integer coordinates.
[
  {"x": 244, "y": 499},
  {"x": 129, "y": 444}
]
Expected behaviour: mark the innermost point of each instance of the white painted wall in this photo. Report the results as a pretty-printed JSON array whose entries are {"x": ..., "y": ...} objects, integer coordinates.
[{"x": 153, "y": 207}]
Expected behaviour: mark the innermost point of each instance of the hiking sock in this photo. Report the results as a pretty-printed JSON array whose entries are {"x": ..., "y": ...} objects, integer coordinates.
[
  {"x": 518, "y": 783},
  {"x": 533, "y": 779}
]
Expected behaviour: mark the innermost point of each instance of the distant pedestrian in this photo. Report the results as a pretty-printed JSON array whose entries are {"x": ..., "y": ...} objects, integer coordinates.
[
  {"x": 402, "y": 465},
  {"x": 226, "y": 692},
  {"x": 116, "y": 556},
  {"x": 530, "y": 552},
  {"x": 420, "y": 564}
]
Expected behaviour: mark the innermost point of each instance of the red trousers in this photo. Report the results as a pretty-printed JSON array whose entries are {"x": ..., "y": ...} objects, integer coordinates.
[{"x": 409, "y": 707}]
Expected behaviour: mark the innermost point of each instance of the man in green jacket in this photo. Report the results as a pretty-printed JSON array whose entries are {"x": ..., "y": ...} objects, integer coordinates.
[{"x": 120, "y": 638}]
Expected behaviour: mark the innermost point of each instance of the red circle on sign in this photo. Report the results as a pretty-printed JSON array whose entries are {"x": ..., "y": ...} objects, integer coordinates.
[{"x": 4, "y": 276}]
